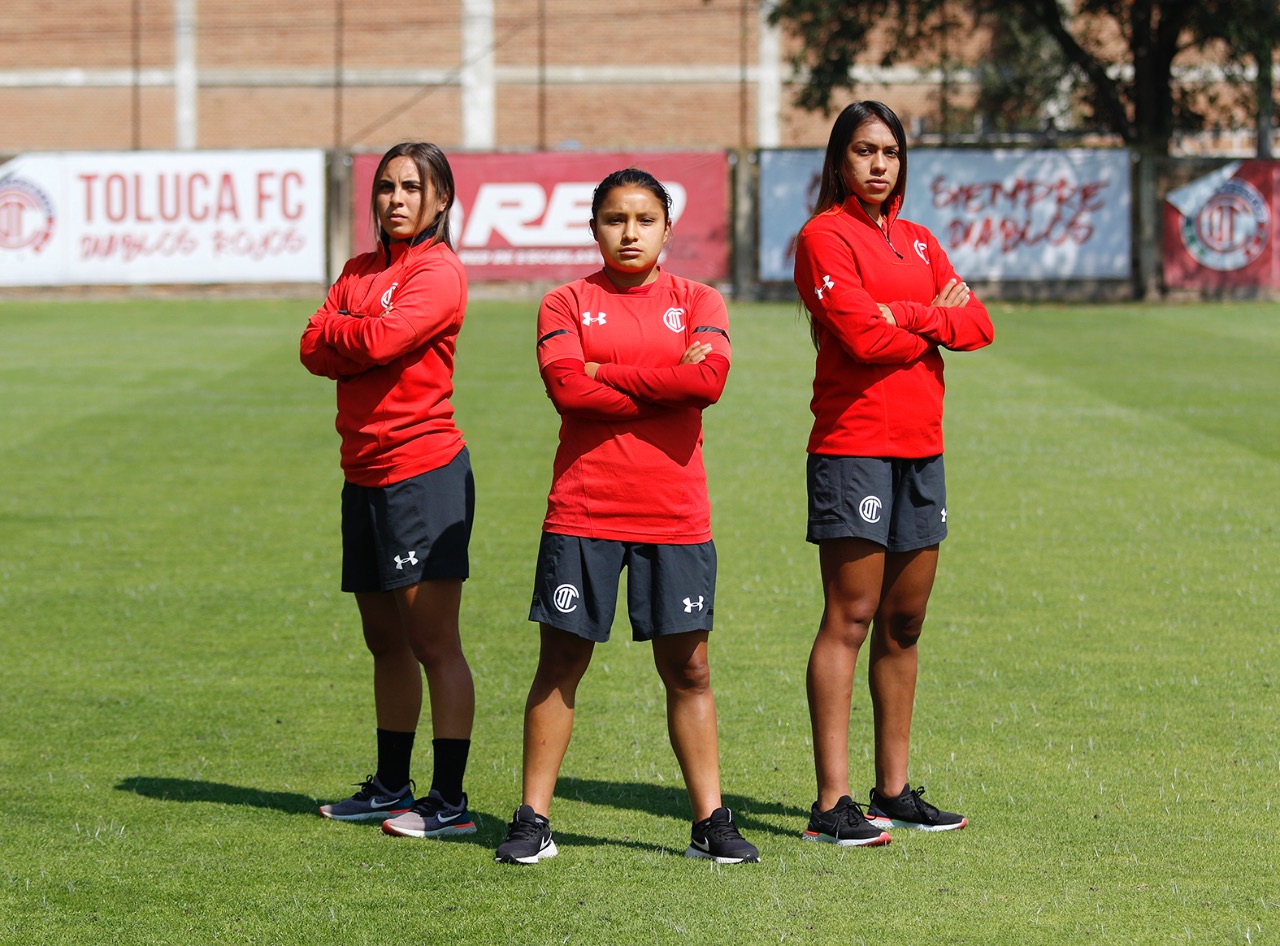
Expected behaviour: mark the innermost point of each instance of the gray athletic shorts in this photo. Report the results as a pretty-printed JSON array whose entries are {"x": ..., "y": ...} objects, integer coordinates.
[
  {"x": 671, "y": 589},
  {"x": 900, "y": 504},
  {"x": 419, "y": 529}
]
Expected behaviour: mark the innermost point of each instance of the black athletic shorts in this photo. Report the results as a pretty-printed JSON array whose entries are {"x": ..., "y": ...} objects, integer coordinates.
[
  {"x": 900, "y": 504},
  {"x": 671, "y": 589},
  {"x": 419, "y": 529}
]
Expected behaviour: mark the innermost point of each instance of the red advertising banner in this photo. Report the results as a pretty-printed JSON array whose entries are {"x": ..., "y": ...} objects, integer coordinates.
[
  {"x": 523, "y": 217},
  {"x": 1219, "y": 230}
]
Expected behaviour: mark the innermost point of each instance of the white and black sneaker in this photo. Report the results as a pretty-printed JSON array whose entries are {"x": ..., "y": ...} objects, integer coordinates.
[
  {"x": 372, "y": 802},
  {"x": 909, "y": 810},
  {"x": 844, "y": 824},
  {"x": 528, "y": 839},
  {"x": 717, "y": 839}
]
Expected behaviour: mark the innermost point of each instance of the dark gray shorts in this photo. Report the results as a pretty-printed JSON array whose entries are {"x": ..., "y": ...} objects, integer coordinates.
[
  {"x": 900, "y": 504},
  {"x": 396, "y": 536},
  {"x": 671, "y": 589}
]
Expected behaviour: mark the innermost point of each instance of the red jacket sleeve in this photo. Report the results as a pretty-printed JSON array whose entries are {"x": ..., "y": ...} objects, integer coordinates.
[
  {"x": 697, "y": 385},
  {"x": 959, "y": 328},
  {"x": 831, "y": 288},
  {"x": 573, "y": 392},
  {"x": 425, "y": 305},
  {"x": 317, "y": 355}
]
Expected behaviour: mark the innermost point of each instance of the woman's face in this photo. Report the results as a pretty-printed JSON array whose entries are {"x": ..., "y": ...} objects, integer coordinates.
[
  {"x": 631, "y": 227},
  {"x": 871, "y": 164},
  {"x": 406, "y": 204}
]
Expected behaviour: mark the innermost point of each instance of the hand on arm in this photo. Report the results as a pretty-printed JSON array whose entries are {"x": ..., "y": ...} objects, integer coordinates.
[
  {"x": 572, "y": 391},
  {"x": 696, "y": 381}
]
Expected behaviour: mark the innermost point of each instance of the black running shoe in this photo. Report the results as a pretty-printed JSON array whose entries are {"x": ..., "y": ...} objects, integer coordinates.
[
  {"x": 844, "y": 824},
  {"x": 528, "y": 839},
  {"x": 909, "y": 810},
  {"x": 374, "y": 801},
  {"x": 717, "y": 839}
]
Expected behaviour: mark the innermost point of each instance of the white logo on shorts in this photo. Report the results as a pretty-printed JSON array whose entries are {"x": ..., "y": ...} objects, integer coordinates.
[
  {"x": 869, "y": 509},
  {"x": 690, "y": 606},
  {"x": 566, "y": 598},
  {"x": 411, "y": 558},
  {"x": 674, "y": 319},
  {"x": 944, "y": 513}
]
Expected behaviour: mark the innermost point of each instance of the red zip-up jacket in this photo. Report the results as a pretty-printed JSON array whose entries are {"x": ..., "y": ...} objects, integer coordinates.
[
  {"x": 877, "y": 387},
  {"x": 387, "y": 334}
]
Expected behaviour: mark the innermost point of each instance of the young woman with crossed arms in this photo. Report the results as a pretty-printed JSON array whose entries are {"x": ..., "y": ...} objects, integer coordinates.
[
  {"x": 882, "y": 299},
  {"x": 630, "y": 356},
  {"x": 387, "y": 334}
]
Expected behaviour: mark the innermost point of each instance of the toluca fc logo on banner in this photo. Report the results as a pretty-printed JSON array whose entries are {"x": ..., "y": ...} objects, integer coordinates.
[
  {"x": 26, "y": 216},
  {"x": 1230, "y": 231}
]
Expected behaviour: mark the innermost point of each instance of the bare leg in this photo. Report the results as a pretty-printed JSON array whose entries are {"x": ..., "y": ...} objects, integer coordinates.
[
  {"x": 852, "y": 573},
  {"x": 895, "y": 660},
  {"x": 429, "y": 615},
  {"x": 397, "y": 681},
  {"x": 681, "y": 660},
  {"x": 548, "y": 713}
]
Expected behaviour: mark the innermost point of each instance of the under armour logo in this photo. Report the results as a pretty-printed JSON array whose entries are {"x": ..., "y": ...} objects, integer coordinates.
[
  {"x": 826, "y": 284},
  {"x": 674, "y": 319},
  {"x": 921, "y": 246},
  {"x": 690, "y": 605},
  {"x": 565, "y": 598},
  {"x": 588, "y": 320},
  {"x": 944, "y": 513},
  {"x": 386, "y": 296},
  {"x": 411, "y": 558}
]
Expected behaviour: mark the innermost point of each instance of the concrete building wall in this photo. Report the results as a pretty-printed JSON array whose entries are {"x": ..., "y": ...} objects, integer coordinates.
[{"x": 103, "y": 74}]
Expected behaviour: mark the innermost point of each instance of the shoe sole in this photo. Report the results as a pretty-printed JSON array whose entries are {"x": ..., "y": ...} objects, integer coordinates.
[
  {"x": 445, "y": 832},
  {"x": 879, "y": 841},
  {"x": 380, "y": 815},
  {"x": 692, "y": 851},
  {"x": 885, "y": 823},
  {"x": 548, "y": 851}
]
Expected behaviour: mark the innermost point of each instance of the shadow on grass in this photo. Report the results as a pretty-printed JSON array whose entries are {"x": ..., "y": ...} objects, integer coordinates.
[
  {"x": 185, "y": 789},
  {"x": 672, "y": 800}
]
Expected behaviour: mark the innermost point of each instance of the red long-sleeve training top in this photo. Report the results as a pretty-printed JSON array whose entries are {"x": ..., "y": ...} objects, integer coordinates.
[
  {"x": 387, "y": 334},
  {"x": 877, "y": 387}
]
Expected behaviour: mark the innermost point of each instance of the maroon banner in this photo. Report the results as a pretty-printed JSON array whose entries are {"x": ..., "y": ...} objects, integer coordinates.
[
  {"x": 523, "y": 217},
  {"x": 1219, "y": 230}
]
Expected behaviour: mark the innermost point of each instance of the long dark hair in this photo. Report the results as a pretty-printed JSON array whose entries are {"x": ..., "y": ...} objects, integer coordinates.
[
  {"x": 631, "y": 177},
  {"x": 432, "y": 166},
  {"x": 833, "y": 190}
]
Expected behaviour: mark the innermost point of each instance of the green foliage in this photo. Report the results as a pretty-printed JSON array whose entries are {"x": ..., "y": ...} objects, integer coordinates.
[
  {"x": 183, "y": 682},
  {"x": 1143, "y": 104}
]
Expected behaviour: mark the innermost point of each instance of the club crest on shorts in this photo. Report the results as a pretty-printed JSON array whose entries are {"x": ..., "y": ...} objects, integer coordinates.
[
  {"x": 565, "y": 598},
  {"x": 869, "y": 509}
]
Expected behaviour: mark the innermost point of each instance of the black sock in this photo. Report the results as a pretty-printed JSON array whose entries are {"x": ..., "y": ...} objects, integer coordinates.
[
  {"x": 395, "y": 749},
  {"x": 450, "y": 766}
]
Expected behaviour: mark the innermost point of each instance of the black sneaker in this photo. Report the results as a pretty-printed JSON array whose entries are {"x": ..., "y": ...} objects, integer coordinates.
[
  {"x": 528, "y": 839},
  {"x": 373, "y": 801},
  {"x": 432, "y": 817},
  {"x": 717, "y": 839},
  {"x": 909, "y": 810},
  {"x": 844, "y": 824}
]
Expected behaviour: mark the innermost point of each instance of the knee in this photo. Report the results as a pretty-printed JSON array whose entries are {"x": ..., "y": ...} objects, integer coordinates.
[
  {"x": 846, "y": 624},
  {"x": 903, "y": 628},
  {"x": 688, "y": 676}
]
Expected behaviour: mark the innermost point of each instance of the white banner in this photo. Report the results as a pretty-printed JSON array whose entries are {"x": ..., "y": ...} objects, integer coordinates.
[
  {"x": 1000, "y": 215},
  {"x": 136, "y": 218}
]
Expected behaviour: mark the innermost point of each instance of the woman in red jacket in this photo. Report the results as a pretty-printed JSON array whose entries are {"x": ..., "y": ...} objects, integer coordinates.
[
  {"x": 387, "y": 334},
  {"x": 882, "y": 299},
  {"x": 630, "y": 356}
]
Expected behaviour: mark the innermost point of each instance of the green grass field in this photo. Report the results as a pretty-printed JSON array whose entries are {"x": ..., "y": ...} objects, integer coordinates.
[{"x": 182, "y": 681}]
